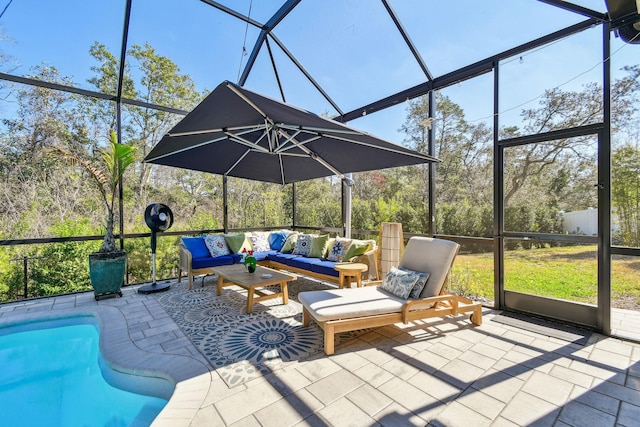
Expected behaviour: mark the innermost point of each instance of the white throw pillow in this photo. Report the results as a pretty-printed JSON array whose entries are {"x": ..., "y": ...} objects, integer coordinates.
[
  {"x": 260, "y": 241},
  {"x": 216, "y": 244}
]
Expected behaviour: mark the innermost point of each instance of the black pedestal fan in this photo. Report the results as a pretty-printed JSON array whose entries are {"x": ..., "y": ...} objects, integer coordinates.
[{"x": 158, "y": 218}]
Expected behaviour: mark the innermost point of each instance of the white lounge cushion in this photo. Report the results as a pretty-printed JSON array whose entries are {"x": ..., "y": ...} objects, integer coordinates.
[
  {"x": 433, "y": 256},
  {"x": 350, "y": 303}
]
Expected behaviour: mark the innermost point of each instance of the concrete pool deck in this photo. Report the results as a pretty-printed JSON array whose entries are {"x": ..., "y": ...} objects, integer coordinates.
[{"x": 442, "y": 372}]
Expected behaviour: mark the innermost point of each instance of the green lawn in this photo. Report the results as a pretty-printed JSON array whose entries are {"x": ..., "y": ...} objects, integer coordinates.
[{"x": 568, "y": 273}]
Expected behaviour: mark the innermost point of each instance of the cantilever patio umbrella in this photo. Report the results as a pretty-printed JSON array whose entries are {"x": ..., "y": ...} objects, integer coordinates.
[{"x": 239, "y": 133}]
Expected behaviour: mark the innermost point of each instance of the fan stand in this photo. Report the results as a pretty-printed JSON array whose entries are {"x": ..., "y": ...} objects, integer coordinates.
[
  {"x": 158, "y": 218},
  {"x": 153, "y": 287}
]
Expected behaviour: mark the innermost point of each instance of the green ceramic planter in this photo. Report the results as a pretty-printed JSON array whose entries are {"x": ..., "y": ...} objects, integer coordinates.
[{"x": 107, "y": 272}]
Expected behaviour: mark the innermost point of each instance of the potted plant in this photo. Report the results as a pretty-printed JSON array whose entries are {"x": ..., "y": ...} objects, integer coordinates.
[{"x": 107, "y": 267}]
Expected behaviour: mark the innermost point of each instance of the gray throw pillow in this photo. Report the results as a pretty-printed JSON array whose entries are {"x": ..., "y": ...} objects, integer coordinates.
[
  {"x": 420, "y": 284},
  {"x": 399, "y": 282}
]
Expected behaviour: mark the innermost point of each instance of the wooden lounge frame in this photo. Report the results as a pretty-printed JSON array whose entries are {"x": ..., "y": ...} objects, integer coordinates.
[{"x": 413, "y": 309}]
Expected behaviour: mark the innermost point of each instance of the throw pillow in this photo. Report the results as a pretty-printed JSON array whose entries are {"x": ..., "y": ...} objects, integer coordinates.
[
  {"x": 420, "y": 284},
  {"x": 330, "y": 243},
  {"x": 290, "y": 243},
  {"x": 339, "y": 249},
  {"x": 196, "y": 246},
  {"x": 399, "y": 282},
  {"x": 216, "y": 244},
  {"x": 277, "y": 239},
  {"x": 260, "y": 241},
  {"x": 237, "y": 242},
  {"x": 319, "y": 246},
  {"x": 356, "y": 248},
  {"x": 303, "y": 245}
]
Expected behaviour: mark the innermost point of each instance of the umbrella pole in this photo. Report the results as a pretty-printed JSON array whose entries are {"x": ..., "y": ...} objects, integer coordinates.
[{"x": 347, "y": 197}]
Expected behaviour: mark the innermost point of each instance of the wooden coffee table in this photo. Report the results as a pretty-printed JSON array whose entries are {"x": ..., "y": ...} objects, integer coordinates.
[{"x": 237, "y": 274}]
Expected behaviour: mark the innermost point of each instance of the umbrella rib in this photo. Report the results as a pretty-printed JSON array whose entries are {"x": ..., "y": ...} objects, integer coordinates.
[
  {"x": 306, "y": 156},
  {"x": 192, "y": 147},
  {"x": 328, "y": 133},
  {"x": 389, "y": 149},
  {"x": 295, "y": 143},
  {"x": 250, "y": 128},
  {"x": 324, "y": 163},
  {"x": 317, "y": 158},
  {"x": 237, "y": 161},
  {"x": 321, "y": 130},
  {"x": 248, "y": 101},
  {"x": 270, "y": 138},
  {"x": 246, "y": 142},
  {"x": 288, "y": 139}
]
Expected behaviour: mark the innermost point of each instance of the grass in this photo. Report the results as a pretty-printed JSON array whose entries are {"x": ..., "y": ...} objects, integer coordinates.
[{"x": 569, "y": 273}]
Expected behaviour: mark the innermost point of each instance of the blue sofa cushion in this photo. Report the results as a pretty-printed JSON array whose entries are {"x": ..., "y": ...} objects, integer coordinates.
[
  {"x": 303, "y": 262},
  {"x": 282, "y": 258},
  {"x": 196, "y": 246},
  {"x": 325, "y": 267},
  {"x": 215, "y": 262},
  {"x": 261, "y": 256}
]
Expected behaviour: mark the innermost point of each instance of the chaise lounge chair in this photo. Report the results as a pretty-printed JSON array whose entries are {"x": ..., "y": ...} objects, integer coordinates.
[{"x": 372, "y": 306}]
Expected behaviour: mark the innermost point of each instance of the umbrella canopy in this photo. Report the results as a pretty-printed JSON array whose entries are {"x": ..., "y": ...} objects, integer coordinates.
[{"x": 239, "y": 133}]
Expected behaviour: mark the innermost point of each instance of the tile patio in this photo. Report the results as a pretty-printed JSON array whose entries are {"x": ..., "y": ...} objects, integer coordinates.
[{"x": 444, "y": 372}]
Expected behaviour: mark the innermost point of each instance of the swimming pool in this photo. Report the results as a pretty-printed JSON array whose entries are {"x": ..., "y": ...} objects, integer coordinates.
[{"x": 52, "y": 373}]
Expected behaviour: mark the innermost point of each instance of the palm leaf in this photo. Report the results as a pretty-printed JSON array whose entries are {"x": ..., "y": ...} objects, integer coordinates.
[
  {"x": 100, "y": 176},
  {"x": 117, "y": 159}
]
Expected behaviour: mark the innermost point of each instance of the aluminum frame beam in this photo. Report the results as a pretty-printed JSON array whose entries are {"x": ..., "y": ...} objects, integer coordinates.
[
  {"x": 306, "y": 73},
  {"x": 266, "y": 29},
  {"x": 407, "y": 40},
  {"x": 473, "y": 70},
  {"x": 232, "y": 12},
  {"x": 581, "y": 10}
]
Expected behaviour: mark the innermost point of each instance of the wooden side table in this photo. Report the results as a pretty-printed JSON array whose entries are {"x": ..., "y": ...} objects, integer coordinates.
[{"x": 349, "y": 271}]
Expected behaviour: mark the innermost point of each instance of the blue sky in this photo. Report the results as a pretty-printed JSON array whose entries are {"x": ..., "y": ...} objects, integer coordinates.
[{"x": 350, "y": 47}]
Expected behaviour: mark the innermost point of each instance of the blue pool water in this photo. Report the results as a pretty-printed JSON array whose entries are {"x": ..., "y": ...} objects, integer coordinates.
[{"x": 55, "y": 376}]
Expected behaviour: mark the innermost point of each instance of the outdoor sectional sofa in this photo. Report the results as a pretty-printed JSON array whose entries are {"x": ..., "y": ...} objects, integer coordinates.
[{"x": 308, "y": 254}]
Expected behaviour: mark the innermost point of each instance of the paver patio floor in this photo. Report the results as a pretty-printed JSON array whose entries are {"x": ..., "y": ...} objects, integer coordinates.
[{"x": 443, "y": 372}]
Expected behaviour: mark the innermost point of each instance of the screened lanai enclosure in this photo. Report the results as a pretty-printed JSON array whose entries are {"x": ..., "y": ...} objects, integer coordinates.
[{"x": 531, "y": 106}]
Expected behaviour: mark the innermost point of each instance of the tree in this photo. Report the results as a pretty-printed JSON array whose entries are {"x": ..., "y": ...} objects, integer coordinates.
[
  {"x": 557, "y": 174},
  {"x": 625, "y": 193},
  {"x": 107, "y": 174},
  {"x": 465, "y": 174},
  {"x": 559, "y": 109},
  {"x": 464, "y": 148},
  {"x": 36, "y": 191},
  {"x": 160, "y": 82}
]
